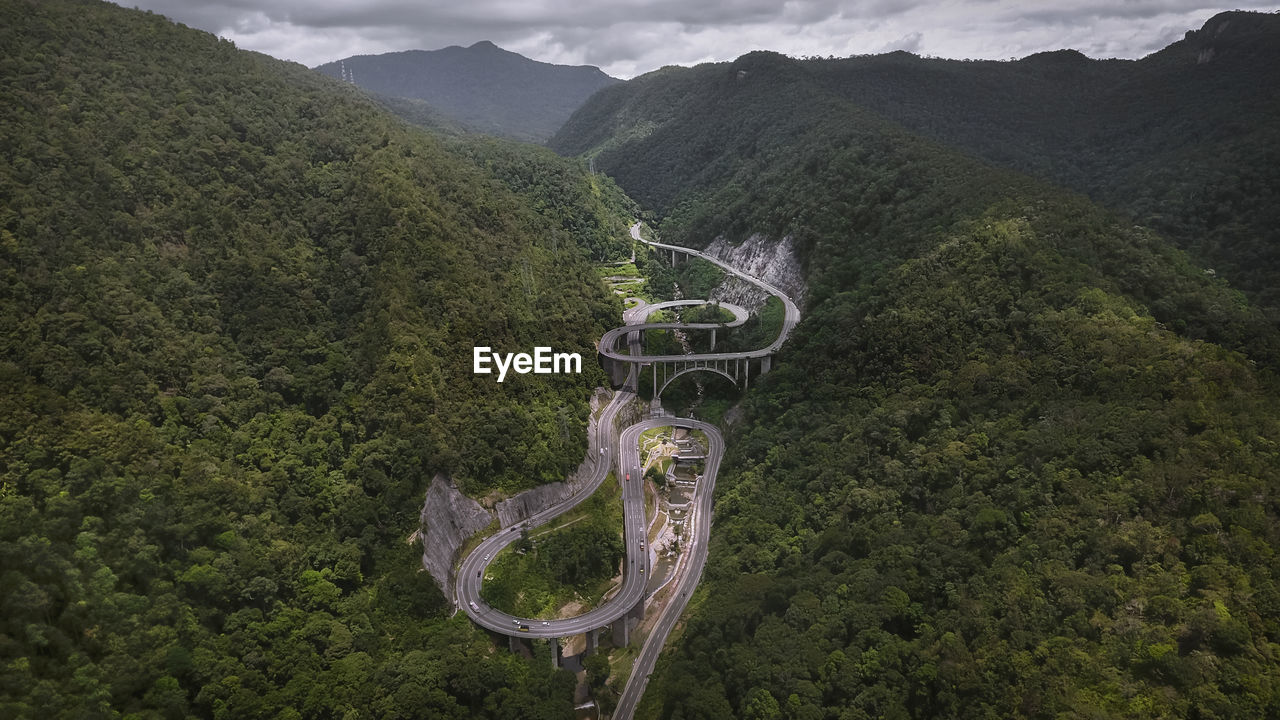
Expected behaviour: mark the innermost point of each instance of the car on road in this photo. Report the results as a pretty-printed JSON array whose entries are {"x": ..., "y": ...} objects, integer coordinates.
[
  {"x": 544, "y": 622},
  {"x": 486, "y": 557},
  {"x": 474, "y": 606},
  {"x": 641, "y": 546},
  {"x": 641, "y": 571},
  {"x": 628, "y": 476},
  {"x": 524, "y": 628}
]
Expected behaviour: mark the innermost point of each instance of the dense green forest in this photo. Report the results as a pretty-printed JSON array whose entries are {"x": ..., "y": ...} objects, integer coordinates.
[
  {"x": 237, "y": 306},
  {"x": 573, "y": 561},
  {"x": 1186, "y": 140},
  {"x": 1019, "y": 460}
]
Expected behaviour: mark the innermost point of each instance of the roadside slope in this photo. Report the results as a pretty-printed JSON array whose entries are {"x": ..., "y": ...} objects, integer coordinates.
[
  {"x": 237, "y": 306},
  {"x": 1018, "y": 456}
]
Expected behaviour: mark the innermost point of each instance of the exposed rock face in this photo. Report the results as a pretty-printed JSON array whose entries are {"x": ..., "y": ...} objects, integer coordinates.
[
  {"x": 448, "y": 519},
  {"x": 517, "y": 508},
  {"x": 773, "y": 262}
]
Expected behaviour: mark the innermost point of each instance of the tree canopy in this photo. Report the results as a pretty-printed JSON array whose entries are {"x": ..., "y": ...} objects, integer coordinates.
[{"x": 237, "y": 306}]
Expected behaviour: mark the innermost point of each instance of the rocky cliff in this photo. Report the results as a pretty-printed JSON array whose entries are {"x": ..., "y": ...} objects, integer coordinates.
[
  {"x": 517, "y": 508},
  {"x": 774, "y": 262},
  {"x": 448, "y": 519}
]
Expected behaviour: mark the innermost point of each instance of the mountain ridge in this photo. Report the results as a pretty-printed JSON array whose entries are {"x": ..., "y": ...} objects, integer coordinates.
[
  {"x": 482, "y": 86},
  {"x": 237, "y": 303},
  {"x": 986, "y": 476},
  {"x": 1183, "y": 140}
]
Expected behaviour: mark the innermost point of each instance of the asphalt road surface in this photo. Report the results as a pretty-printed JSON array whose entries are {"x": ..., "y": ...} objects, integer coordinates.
[
  {"x": 471, "y": 572},
  {"x": 623, "y": 460},
  {"x": 688, "y": 579},
  {"x": 789, "y": 320}
]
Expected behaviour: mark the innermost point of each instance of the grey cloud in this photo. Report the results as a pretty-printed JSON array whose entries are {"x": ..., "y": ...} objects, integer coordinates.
[
  {"x": 1075, "y": 12},
  {"x": 910, "y": 42},
  {"x": 627, "y": 37}
]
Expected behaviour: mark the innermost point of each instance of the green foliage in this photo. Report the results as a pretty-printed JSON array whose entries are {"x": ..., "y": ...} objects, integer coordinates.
[
  {"x": 1015, "y": 461},
  {"x": 709, "y": 313},
  {"x": 597, "y": 667},
  {"x": 237, "y": 306},
  {"x": 626, "y": 270},
  {"x": 591, "y": 212},
  {"x": 966, "y": 490},
  {"x": 656, "y": 475},
  {"x": 697, "y": 278},
  {"x": 576, "y": 562},
  {"x": 1182, "y": 140},
  {"x": 582, "y": 553},
  {"x": 760, "y": 329}
]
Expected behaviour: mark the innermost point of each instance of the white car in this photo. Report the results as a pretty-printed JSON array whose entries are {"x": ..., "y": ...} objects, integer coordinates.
[{"x": 486, "y": 557}]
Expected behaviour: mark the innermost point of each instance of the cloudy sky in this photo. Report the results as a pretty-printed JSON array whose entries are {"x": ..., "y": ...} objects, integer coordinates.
[{"x": 629, "y": 37}]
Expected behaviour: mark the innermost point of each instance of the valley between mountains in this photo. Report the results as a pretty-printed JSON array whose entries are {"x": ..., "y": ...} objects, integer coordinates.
[{"x": 978, "y": 418}]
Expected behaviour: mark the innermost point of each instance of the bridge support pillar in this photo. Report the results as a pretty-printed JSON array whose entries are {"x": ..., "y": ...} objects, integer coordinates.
[
  {"x": 617, "y": 371},
  {"x": 713, "y": 340},
  {"x": 765, "y": 363},
  {"x": 555, "y": 652},
  {"x": 593, "y": 641},
  {"x": 621, "y": 631}
]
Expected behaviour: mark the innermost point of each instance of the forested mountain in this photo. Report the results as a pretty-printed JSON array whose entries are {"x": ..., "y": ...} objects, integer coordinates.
[
  {"x": 1186, "y": 140},
  {"x": 1021, "y": 458},
  {"x": 237, "y": 306},
  {"x": 483, "y": 86}
]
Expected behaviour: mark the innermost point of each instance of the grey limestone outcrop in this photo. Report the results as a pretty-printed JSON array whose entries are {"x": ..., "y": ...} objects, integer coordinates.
[
  {"x": 774, "y": 262},
  {"x": 519, "y": 507},
  {"x": 448, "y": 519}
]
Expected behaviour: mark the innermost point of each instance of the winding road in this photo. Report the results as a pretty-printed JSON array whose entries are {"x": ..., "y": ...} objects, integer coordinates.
[
  {"x": 688, "y": 579},
  {"x": 624, "y": 459},
  {"x": 791, "y": 316}
]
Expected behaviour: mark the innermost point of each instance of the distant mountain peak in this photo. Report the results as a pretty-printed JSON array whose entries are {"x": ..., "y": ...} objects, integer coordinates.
[
  {"x": 1233, "y": 31},
  {"x": 1240, "y": 21},
  {"x": 1057, "y": 57},
  {"x": 483, "y": 86}
]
